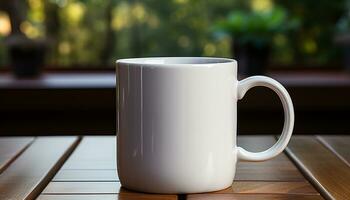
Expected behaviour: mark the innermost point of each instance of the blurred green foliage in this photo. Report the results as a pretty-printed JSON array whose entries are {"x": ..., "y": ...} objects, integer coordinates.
[
  {"x": 257, "y": 27},
  {"x": 97, "y": 32},
  {"x": 343, "y": 24}
]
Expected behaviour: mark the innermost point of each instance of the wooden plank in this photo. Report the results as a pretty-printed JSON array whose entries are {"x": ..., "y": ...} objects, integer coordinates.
[
  {"x": 93, "y": 160},
  {"x": 90, "y": 175},
  {"x": 94, "y": 152},
  {"x": 327, "y": 172},
  {"x": 124, "y": 196},
  {"x": 11, "y": 148},
  {"x": 78, "y": 197},
  {"x": 253, "y": 196},
  {"x": 339, "y": 145},
  {"x": 270, "y": 187},
  {"x": 83, "y": 188},
  {"x": 33, "y": 169},
  {"x": 276, "y": 169},
  {"x": 97, "y": 188}
]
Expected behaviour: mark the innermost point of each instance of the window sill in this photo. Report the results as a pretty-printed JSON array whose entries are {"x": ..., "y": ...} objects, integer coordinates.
[
  {"x": 104, "y": 80},
  {"x": 77, "y": 103}
]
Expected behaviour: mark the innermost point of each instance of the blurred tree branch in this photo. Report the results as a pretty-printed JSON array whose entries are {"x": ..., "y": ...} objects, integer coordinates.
[
  {"x": 52, "y": 27},
  {"x": 110, "y": 37}
]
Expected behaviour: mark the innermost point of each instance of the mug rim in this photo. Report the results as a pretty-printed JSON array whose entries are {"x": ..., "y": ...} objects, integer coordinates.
[{"x": 175, "y": 61}]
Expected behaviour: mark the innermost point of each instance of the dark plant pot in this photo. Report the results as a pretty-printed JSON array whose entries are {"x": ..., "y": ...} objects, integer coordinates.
[
  {"x": 346, "y": 58},
  {"x": 26, "y": 60},
  {"x": 343, "y": 42},
  {"x": 252, "y": 59}
]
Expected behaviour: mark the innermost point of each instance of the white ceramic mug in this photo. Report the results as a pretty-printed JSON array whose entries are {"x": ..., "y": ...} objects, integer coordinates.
[{"x": 177, "y": 116}]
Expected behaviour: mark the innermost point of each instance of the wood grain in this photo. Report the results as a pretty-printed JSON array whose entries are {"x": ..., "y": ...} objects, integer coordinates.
[
  {"x": 94, "y": 152},
  {"x": 128, "y": 196},
  {"x": 253, "y": 196},
  {"x": 279, "y": 168},
  {"x": 270, "y": 187},
  {"x": 327, "y": 172},
  {"x": 83, "y": 188},
  {"x": 339, "y": 145},
  {"x": 11, "y": 148},
  {"x": 90, "y": 175},
  {"x": 78, "y": 197},
  {"x": 98, "y": 188},
  {"x": 34, "y": 168}
]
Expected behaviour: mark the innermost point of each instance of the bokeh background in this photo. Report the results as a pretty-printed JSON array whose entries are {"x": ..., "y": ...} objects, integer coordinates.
[{"x": 94, "y": 33}]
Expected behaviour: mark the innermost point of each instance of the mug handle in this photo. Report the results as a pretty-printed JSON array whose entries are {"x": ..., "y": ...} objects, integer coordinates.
[{"x": 280, "y": 145}]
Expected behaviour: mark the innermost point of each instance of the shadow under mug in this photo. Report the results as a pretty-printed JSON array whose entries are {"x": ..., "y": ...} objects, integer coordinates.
[{"x": 177, "y": 119}]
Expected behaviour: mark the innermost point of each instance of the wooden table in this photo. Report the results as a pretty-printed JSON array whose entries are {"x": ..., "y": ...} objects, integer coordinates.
[{"x": 62, "y": 168}]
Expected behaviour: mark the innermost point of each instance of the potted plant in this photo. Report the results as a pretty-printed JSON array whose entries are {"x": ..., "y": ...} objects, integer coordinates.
[
  {"x": 26, "y": 55},
  {"x": 252, "y": 33}
]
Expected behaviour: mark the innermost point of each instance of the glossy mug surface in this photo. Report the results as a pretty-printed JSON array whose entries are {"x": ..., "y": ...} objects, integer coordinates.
[{"x": 176, "y": 123}]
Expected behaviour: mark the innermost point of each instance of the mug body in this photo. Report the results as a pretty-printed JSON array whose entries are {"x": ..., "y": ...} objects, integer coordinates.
[{"x": 176, "y": 124}]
